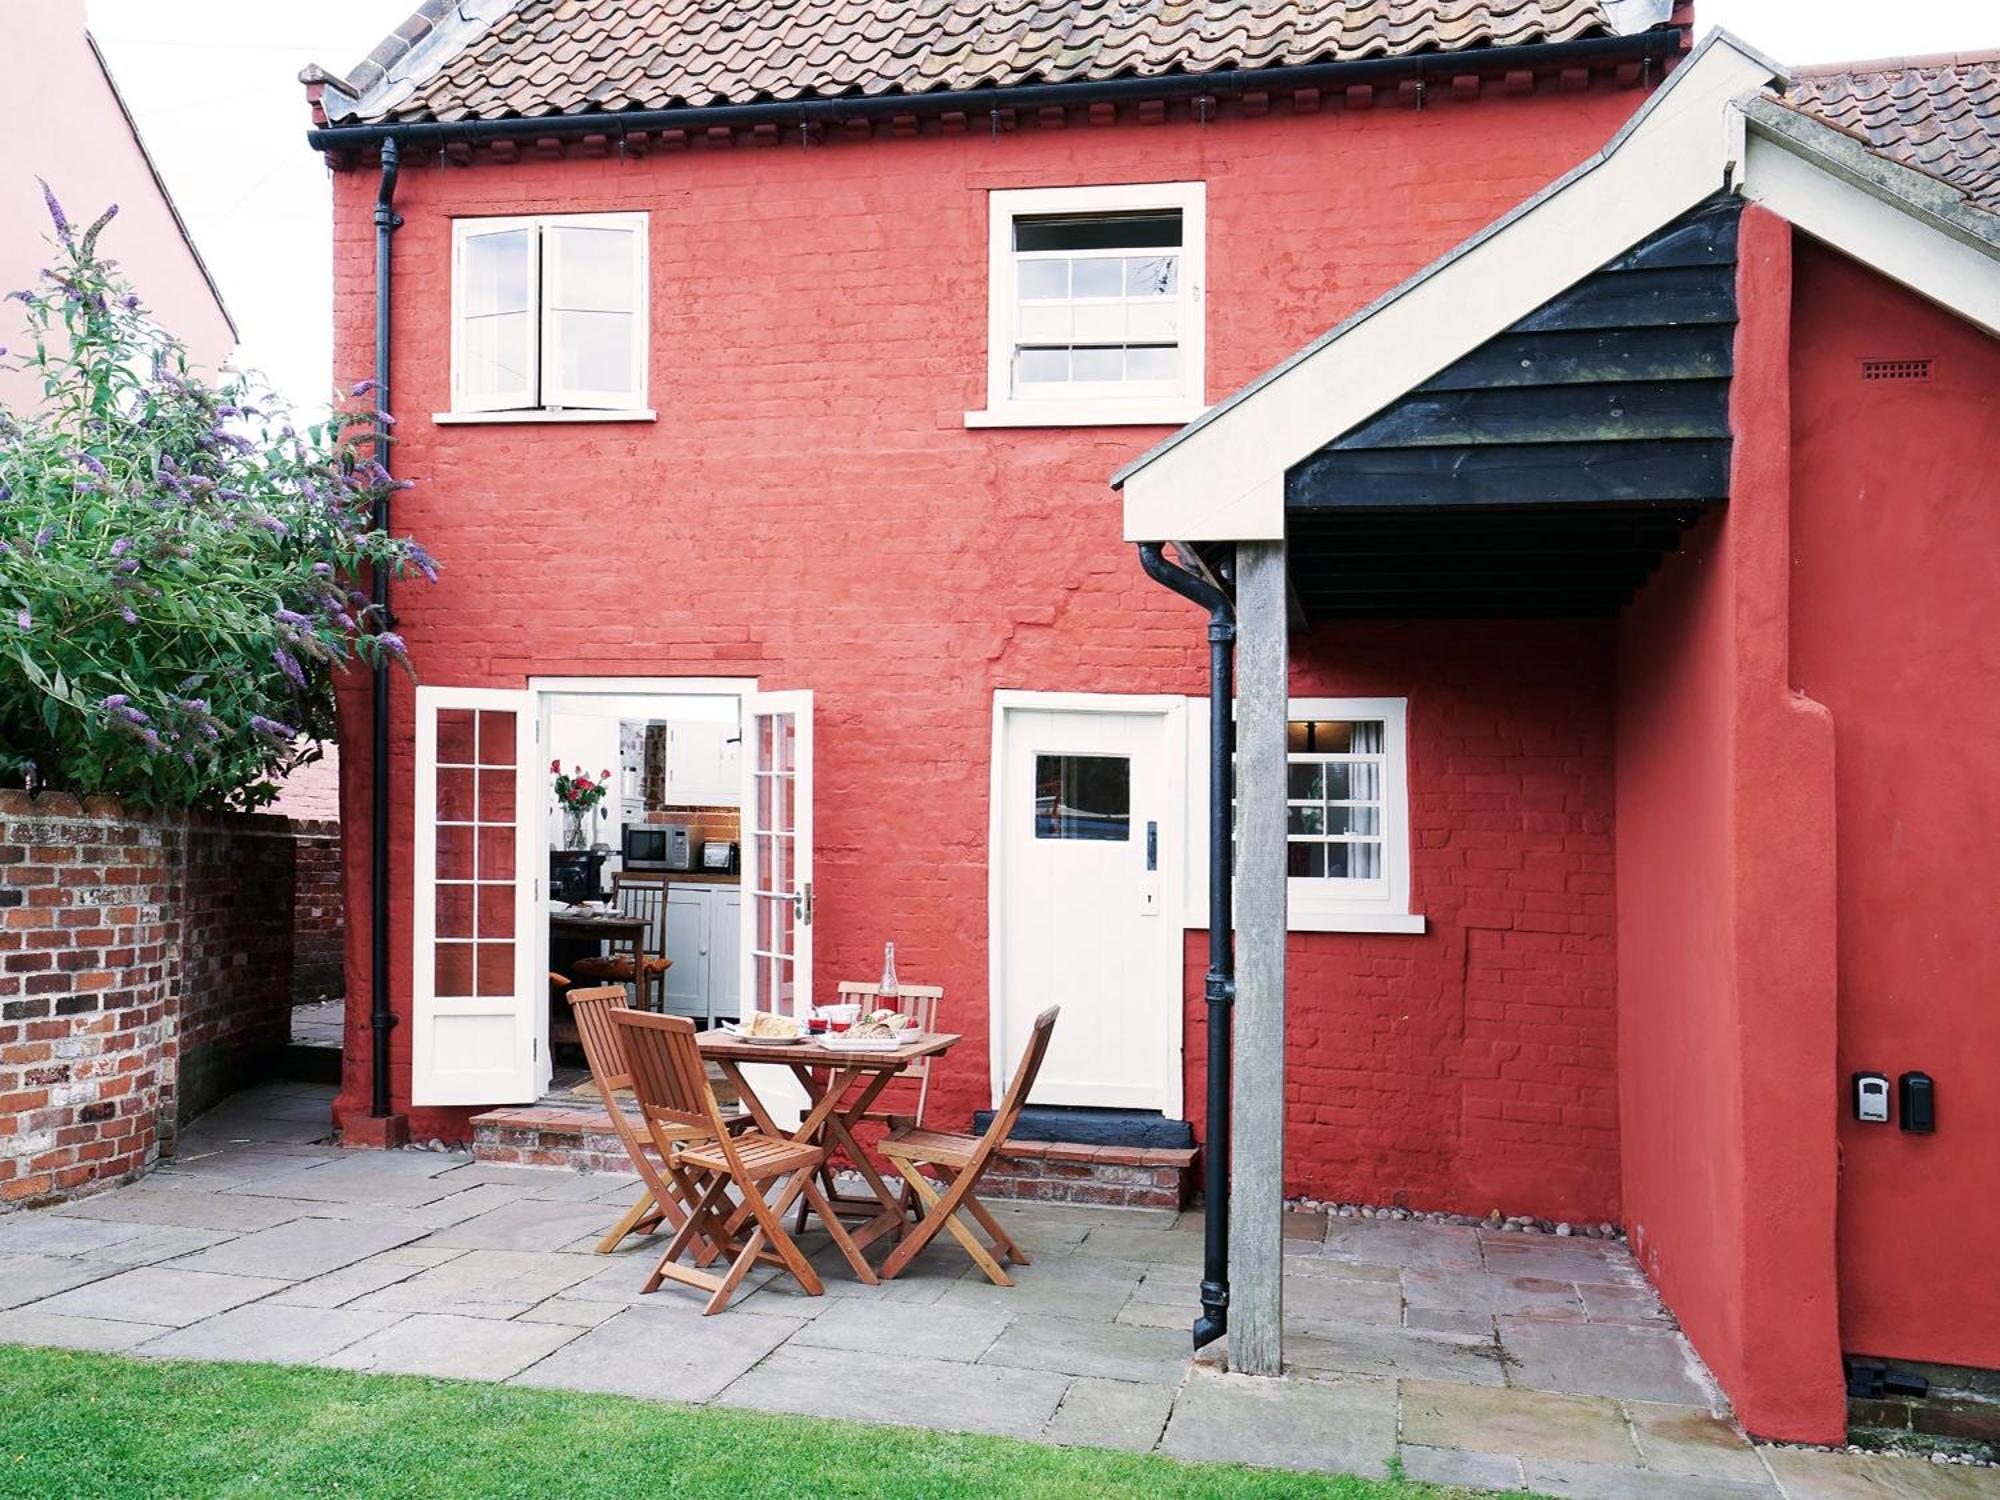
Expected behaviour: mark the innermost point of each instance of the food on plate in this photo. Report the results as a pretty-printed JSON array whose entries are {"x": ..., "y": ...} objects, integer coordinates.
[
  {"x": 763, "y": 1023},
  {"x": 883, "y": 1023}
]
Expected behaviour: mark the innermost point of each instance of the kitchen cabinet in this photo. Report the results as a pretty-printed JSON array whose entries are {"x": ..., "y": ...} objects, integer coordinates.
[
  {"x": 703, "y": 764},
  {"x": 704, "y": 939}
]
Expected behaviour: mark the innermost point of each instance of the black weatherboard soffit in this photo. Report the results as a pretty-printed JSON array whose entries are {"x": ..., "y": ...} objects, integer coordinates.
[{"x": 1547, "y": 472}]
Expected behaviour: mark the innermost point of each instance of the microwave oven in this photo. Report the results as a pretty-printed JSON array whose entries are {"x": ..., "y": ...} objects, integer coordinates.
[{"x": 658, "y": 846}]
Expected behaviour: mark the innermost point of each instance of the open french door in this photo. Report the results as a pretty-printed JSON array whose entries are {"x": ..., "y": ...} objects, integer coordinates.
[
  {"x": 475, "y": 983},
  {"x": 777, "y": 852}
]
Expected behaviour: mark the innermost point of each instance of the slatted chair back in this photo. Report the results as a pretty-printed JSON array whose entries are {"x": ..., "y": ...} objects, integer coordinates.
[
  {"x": 645, "y": 897},
  {"x": 667, "y": 1073},
  {"x": 603, "y": 1048},
  {"x": 919, "y": 1001},
  {"x": 1019, "y": 1087}
]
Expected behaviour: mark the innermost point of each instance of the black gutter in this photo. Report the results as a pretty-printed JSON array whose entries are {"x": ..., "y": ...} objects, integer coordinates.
[
  {"x": 382, "y": 1019},
  {"x": 1229, "y": 83},
  {"x": 1219, "y": 989}
]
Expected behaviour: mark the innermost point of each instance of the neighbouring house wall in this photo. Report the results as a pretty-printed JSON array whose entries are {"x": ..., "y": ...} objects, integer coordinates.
[
  {"x": 319, "y": 955},
  {"x": 1895, "y": 612},
  {"x": 63, "y": 122},
  {"x": 1474, "y": 1066},
  {"x": 145, "y": 971},
  {"x": 811, "y": 509},
  {"x": 1726, "y": 922}
]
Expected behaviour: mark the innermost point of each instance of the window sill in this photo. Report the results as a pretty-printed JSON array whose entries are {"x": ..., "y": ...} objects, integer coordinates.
[
  {"x": 541, "y": 414},
  {"x": 1087, "y": 414},
  {"x": 1354, "y": 921}
]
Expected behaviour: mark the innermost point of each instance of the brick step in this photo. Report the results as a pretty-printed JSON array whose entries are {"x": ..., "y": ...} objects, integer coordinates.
[{"x": 582, "y": 1140}]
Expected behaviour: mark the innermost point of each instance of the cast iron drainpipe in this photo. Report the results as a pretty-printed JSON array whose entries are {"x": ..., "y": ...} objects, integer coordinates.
[
  {"x": 381, "y": 1018},
  {"x": 1219, "y": 989}
]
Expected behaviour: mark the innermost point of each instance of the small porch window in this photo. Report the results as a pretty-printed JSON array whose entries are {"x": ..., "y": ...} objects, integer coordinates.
[
  {"x": 1094, "y": 303},
  {"x": 1347, "y": 836},
  {"x": 548, "y": 318}
]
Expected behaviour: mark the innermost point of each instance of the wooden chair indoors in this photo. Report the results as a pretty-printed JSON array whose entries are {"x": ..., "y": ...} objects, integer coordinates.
[
  {"x": 704, "y": 1163},
  {"x": 644, "y": 897},
  {"x": 604, "y": 1051},
  {"x": 961, "y": 1160}
]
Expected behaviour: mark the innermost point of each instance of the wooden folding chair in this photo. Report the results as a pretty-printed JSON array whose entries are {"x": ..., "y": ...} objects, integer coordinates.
[
  {"x": 643, "y": 896},
  {"x": 703, "y": 1162},
  {"x": 961, "y": 1160},
  {"x": 604, "y": 1051}
]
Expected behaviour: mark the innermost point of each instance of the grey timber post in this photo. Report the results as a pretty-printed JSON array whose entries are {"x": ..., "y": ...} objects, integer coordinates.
[{"x": 1257, "y": 1157}]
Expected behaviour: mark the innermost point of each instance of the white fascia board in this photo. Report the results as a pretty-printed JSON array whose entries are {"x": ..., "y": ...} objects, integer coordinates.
[
  {"x": 1223, "y": 478},
  {"x": 1901, "y": 223}
]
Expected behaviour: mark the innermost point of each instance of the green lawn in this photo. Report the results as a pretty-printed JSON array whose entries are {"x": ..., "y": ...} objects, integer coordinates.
[{"x": 77, "y": 1425}]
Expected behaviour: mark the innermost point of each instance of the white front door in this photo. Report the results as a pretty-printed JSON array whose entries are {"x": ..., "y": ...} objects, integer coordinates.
[
  {"x": 475, "y": 980},
  {"x": 1087, "y": 839}
]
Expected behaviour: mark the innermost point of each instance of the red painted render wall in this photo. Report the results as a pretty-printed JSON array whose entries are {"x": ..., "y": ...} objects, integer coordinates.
[
  {"x": 1474, "y": 1066},
  {"x": 1895, "y": 615},
  {"x": 811, "y": 510},
  {"x": 1726, "y": 921}
]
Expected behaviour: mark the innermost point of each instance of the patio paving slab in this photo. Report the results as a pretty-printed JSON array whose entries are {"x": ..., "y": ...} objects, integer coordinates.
[
  {"x": 1593, "y": 1262},
  {"x": 1603, "y": 1360},
  {"x": 453, "y": 1347},
  {"x": 1448, "y": 1320},
  {"x": 1527, "y": 1424},
  {"x": 1122, "y": 1414},
  {"x": 1441, "y": 1247},
  {"x": 187, "y": 1207},
  {"x": 1080, "y": 1289},
  {"x": 1804, "y": 1474},
  {"x": 1623, "y": 1304},
  {"x": 665, "y": 1353},
  {"x": 1108, "y": 1351},
  {"x": 41, "y": 1233},
  {"x": 908, "y": 1392},
  {"x": 159, "y": 1242},
  {"x": 1362, "y": 1349},
  {"x": 1347, "y": 1424},
  {"x": 265, "y": 1333},
  {"x": 159, "y": 1294},
  {"x": 1601, "y": 1482},
  {"x": 1692, "y": 1440},
  {"x": 527, "y": 1224},
  {"x": 547, "y": 1184},
  {"x": 30, "y": 1325},
  {"x": 960, "y": 1333},
  {"x": 513, "y": 1280},
  {"x": 298, "y": 1251},
  {"x": 1479, "y": 1292},
  {"x": 338, "y": 1288},
  {"x": 1152, "y": 1247},
  {"x": 402, "y": 1179},
  {"x": 1313, "y": 1302},
  {"x": 1485, "y": 1471},
  {"x": 29, "y": 1278}
]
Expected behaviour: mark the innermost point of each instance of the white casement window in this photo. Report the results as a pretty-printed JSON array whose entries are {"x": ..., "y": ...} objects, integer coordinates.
[
  {"x": 1095, "y": 306},
  {"x": 548, "y": 317},
  {"x": 1348, "y": 816}
]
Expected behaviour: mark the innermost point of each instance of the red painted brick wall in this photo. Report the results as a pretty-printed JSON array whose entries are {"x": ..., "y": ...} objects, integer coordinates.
[
  {"x": 811, "y": 510},
  {"x": 145, "y": 972}
]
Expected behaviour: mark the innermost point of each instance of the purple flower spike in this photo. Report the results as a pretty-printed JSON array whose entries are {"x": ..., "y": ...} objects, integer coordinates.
[
  {"x": 114, "y": 702},
  {"x": 128, "y": 614},
  {"x": 289, "y": 666},
  {"x": 43, "y": 537},
  {"x": 56, "y": 214},
  {"x": 24, "y": 619},
  {"x": 362, "y": 387},
  {"x": 122, "y": 546}
]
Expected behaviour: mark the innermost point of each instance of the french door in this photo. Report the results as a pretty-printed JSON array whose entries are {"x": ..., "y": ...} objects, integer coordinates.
[
  {"x": 777, "y": 852},
  {"x": 474, "y": 981}
]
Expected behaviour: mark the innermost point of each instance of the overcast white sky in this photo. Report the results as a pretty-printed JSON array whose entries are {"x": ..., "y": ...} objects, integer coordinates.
[{"x": 213, "y": 84}]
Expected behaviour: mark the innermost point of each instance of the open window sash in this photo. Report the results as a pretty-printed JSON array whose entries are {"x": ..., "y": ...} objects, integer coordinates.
[
  {"x": 496, "y": 314},
  {"x": 594, "y": 312}
]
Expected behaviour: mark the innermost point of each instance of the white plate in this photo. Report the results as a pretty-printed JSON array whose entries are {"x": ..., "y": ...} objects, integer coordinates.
[
  {"x": 865, "y": 1043},
  {"x": 765, "y": 1041}
]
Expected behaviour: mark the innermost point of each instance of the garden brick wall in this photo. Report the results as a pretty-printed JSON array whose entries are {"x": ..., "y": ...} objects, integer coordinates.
[
  {"x": 145, "y": 973},
  {"x": 319, "y": 961}
]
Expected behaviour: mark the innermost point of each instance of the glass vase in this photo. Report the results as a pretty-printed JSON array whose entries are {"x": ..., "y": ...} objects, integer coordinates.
[{"x": 576, "y": 828}]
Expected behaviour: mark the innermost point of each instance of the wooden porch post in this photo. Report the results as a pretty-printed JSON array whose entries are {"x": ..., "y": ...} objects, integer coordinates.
[{"x": 1257, "y": 1158}]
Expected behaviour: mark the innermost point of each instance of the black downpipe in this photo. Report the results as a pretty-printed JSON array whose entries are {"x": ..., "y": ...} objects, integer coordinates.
[
  {"x": 1229, "y": 83},
  {"x": 1219, "y": 989},
  {"x": 382, "y": 1019}
]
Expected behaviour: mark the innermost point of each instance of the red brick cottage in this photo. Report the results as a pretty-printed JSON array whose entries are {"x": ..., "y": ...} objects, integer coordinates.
[{"x": 761, "y": 368}]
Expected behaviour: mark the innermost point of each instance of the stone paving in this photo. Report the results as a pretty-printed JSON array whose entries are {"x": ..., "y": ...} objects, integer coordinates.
[{"x": 1484, "y": 1359}]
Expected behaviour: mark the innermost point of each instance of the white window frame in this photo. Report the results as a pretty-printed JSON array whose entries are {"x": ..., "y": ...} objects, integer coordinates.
[
  {"x": 1338, "y": 905},
  {"x": 1065, "y": 406},
  {"x": 547, "y": 401}
]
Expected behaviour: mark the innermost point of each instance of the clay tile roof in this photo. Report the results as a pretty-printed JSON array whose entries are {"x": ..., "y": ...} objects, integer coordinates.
[
  {"x": 1940, "y": 115},
  {"x": 487, "y": 59}
]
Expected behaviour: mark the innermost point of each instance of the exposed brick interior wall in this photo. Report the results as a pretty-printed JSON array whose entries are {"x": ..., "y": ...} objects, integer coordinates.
[
  {"x": 319, "y": 963},
  {"x": 1474, "y": 1066},
  {"x": 145, "y": 972}
]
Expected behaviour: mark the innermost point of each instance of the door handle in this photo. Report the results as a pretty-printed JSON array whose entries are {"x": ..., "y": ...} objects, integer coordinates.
[
  {"x": 1152, "y": 845},
  {"x": 802, "y": 904}
]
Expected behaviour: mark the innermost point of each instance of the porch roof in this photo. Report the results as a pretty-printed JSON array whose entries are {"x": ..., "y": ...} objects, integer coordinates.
[{"x": 1406, "y": 413}]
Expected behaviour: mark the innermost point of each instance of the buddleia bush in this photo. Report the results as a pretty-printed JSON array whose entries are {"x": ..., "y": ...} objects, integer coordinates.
[{"x": 181, "y": 564}]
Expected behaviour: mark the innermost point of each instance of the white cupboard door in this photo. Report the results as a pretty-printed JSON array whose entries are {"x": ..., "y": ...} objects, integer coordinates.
[
  {"x": 687, "y": 946},
  {"x": 474, "y": 980},
  {"x": 725, "y": 972},
  {"x": 777, "y": 852}
]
